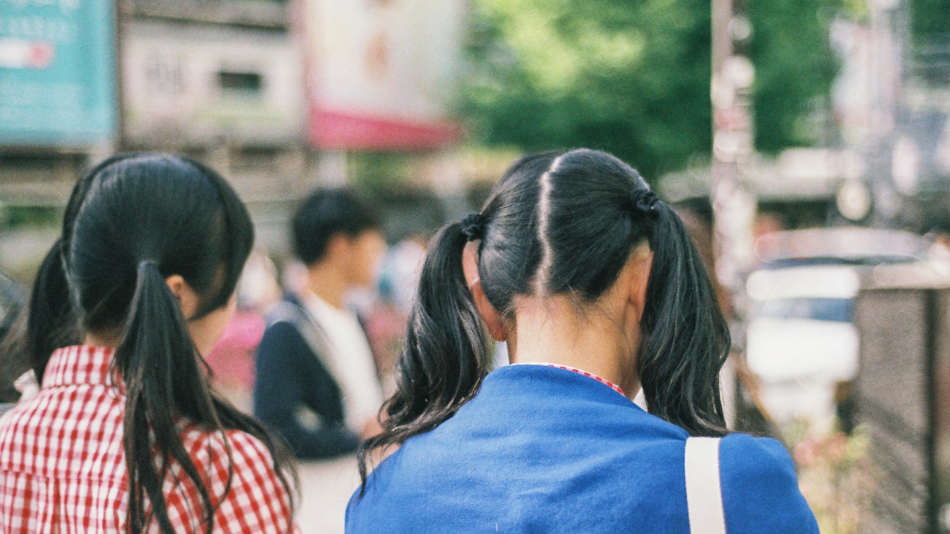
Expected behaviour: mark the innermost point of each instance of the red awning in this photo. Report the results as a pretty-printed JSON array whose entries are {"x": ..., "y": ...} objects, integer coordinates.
[{"x": 333, "y": 130}]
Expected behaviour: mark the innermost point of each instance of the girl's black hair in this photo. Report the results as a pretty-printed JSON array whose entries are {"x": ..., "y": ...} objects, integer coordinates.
[
  {"x": 562, "y": 223},
  {"x": 51, "y": 321},
  {"x": 132, "y": 221}
]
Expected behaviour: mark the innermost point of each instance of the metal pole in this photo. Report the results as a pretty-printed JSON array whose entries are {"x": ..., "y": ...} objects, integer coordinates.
[
  {"x": 119, "y": 143},
  {"x": 733, "y": 208},
  {"x": 732, "y": 76}
]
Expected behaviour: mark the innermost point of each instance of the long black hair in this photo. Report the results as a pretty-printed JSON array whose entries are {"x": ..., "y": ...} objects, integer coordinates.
[
  {"x": 562, "y": 223},
  {"x": 132, "y": 221}
]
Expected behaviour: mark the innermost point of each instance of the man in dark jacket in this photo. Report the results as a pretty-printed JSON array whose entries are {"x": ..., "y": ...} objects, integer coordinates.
[{"x": 316, "y": 381}]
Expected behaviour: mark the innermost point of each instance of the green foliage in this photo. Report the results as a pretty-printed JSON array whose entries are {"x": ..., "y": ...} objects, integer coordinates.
[
  {"x": 374, "y": 171},
  {"x": 930, "y": 42},
  {"x": 835, "y": 474},
  {"x": 27, "y": 216},
  {"x": 929, "y": 21},
  {"x": 632, "y": 76},
  {"x": 794, "y": 69},
  {"x": 628, "y": 77}
]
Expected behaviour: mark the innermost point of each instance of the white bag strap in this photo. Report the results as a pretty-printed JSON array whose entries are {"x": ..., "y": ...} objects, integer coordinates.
[{"x": 703, "y": 489}]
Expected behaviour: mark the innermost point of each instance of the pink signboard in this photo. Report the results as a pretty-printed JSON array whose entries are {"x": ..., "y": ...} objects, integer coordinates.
[{"x": 380, "y": 73}]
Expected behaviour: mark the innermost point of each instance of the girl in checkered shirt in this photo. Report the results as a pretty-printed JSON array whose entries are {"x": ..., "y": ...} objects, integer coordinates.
[{"x": 125, "y": 434}]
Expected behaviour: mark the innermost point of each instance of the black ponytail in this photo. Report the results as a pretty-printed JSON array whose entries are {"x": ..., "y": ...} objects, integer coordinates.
[
  {"x": 686, "y": 336},
  {"x": 154, "y": 348},
  {"x": 445, "y": 355},
  {"x": 133, "y": 221}
]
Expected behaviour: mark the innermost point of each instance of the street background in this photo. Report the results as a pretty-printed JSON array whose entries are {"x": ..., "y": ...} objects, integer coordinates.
[{"x": 806, "y": 143}]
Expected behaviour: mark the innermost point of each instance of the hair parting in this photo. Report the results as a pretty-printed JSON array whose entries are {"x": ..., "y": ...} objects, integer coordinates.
[{"x": 544, "y": 216}]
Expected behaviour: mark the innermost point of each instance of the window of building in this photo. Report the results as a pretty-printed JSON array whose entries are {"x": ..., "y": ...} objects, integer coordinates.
[{"x": 243, "y": 84}]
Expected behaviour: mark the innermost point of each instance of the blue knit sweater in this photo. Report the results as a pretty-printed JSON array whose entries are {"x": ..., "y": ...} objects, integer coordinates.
[{"x": 544, "y": 450}]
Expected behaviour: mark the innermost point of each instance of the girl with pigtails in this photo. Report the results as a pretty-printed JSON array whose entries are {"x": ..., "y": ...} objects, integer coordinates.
[
  {"x": 598, "y": 291},
  {"x": 125, "y": 435}
]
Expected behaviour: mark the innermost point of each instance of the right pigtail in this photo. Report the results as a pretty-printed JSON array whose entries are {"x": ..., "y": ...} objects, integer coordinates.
[
  {"x": 686, "y": 336},
  {"x": 51, "y": 319},
  {"x": 445, "y": 355},
  {"x": 158, "y": 363}
]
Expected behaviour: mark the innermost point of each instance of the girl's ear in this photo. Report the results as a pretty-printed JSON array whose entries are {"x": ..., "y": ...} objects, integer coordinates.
[
  {"x": 642, "y": 263},
  {"x": 184, "y": 294},
  {"x": 485, "y": 309}
]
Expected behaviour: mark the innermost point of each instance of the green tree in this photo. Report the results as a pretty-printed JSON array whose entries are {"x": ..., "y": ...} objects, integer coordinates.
[
  {"x": 930, "y": 22},
  {"x": 632, "y": 76},
  {"x": 795, "y": 68},
  {"x": 930, "y": 41}
]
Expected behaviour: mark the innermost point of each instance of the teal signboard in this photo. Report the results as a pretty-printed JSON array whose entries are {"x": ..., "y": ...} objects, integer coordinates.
[{"x": 57, "y": 73}]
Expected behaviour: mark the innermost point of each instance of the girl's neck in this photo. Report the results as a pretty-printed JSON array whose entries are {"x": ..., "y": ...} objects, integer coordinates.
[
  {"x": 101, "y": 339},
  {"x": 551, "y": 331}
]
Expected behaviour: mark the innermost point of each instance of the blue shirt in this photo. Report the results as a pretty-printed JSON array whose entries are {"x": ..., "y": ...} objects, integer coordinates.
[{"x": 546, "y": 450}]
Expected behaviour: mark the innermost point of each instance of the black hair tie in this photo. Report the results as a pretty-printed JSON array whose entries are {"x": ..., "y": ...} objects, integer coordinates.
[
  {"x": 644, "y": 202},
  {"x": 473, "y": 226}
]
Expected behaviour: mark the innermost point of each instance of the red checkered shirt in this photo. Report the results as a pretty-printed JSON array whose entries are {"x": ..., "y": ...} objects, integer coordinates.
[{"x": 62, "y": 464}]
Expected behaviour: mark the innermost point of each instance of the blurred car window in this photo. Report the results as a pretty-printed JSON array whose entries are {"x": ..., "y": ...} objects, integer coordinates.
[{"x": 818, "y": 309}]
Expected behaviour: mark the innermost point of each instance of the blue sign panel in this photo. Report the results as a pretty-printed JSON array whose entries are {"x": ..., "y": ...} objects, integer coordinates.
[{"x": 57, "y": 72}]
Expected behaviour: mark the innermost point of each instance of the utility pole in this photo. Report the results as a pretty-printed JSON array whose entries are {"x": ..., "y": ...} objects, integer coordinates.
[
  {"x": 121, "y": 22},
  {"x": 732, "y": 77},
  {"x": 733, "y": 209}
]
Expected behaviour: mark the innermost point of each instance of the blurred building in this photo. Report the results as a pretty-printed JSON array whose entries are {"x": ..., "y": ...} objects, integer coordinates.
[
  {"x": 57, "y": 94},
  {"x": 885, "y": 160},
  {"x": 277, "y": 96},
  {"x": 221, "y": 82},
  {"x": 893, "y": 107}
]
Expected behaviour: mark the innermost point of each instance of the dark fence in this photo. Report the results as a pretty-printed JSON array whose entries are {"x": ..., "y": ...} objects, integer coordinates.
[{"x": 902, "y": 396}]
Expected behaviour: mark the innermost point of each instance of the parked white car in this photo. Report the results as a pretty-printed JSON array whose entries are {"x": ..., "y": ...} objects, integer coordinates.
[{"x": 801, "y": 339}]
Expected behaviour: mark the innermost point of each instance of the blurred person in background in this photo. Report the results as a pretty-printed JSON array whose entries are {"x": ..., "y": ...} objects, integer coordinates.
[
  {"x": 16, "y": 377},
  {"x": 412, "y": 217},
  {"x": 598, "y": 290},
  {"x": 389, "y": 314},
  {"x": 401, "y": 271},
  {"x": 316, "y": 381},
  {"x": 939, "y": 238},
  {"x": 232, "y": 358},
  {"x": 132, "y": 295}
]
